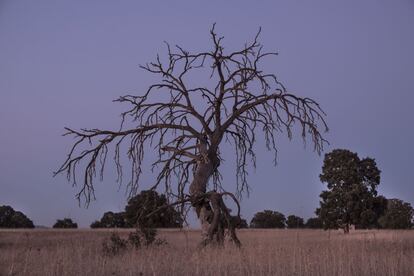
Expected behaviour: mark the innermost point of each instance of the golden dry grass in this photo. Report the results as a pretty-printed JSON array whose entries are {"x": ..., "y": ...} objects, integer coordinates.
[{"x": 264, "y": 252}]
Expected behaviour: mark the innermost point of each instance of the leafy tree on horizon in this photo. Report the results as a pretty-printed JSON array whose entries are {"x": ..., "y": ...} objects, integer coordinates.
[
  {"x": 111, "y": 220},
  {"x": 239, "y": 223},
  {"x": 187, "y": 122},
  {"x": 145, "y": 203},
  {"x": 243, "y": 224},
  {"x": 9, "y": 218},
  {"x": 352, "y": 187},
  {"x": 65, "y": 223},
  {"x": 314, "y": 223},
  {"x": 398, "y": 215},
  {"x": 295, "y": 222},
  {"x": 268, "y": 219},
  {"x": 137, "y": 210}
]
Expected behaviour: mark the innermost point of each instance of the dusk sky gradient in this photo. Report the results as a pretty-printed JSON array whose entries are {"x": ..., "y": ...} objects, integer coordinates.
[{"x": 63, "y": 62}]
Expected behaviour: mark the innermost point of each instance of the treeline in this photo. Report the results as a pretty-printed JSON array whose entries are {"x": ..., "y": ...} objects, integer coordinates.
[
  {"x": 394, "y": 214},
  {"x": 351, "y": 198},
  {"x": 274, "y": 219},
  {"x": 137, "y": 211}
]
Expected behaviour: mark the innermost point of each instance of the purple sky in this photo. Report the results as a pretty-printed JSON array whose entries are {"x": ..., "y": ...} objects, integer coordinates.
[{"x": 63, "y": 62}]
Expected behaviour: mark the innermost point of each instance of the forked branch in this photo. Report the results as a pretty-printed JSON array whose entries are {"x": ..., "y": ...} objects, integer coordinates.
[{"x": 186, "y": 124}]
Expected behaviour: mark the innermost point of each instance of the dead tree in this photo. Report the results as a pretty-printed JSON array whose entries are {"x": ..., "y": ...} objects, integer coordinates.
[{"x": 187, "y": 124}]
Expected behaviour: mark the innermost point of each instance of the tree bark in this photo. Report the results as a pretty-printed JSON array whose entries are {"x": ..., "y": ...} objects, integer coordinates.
[
  {"x": 198, "y": 190},
  {"x": 346, "y": 228},
  {"x": 211, "y": 210}
]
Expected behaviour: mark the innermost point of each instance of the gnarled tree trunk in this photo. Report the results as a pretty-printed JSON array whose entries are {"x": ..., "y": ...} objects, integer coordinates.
[
  {"x": 211, "y": 210},
  {"x": 198, "y": 190}
]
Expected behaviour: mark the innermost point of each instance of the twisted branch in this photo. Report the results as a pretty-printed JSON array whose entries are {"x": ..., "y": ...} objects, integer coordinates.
[{"x": 240, "y": 101}]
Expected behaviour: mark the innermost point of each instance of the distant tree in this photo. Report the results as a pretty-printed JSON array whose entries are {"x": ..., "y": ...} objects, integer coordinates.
[
  {"x": 65, "y": 223},
  {"x": 243, "y": 224},
  {"x": 399, "y": 215},
  {"x": 239, "y": 222},
  {"x": 294, "y": 222},
  {"x": 145, "y": 203},
  {"x": 6, "y": 214},
  {"x": 20, "y": 220},
  {"x": 96, "y": 224},
  {"x": 9, "y": 218},
  {"x": 352, "y": 186},
  {"x": 111, "y": 220},
  {"x": 314, "y": 223},
  {"x": 268, "y": 219}
]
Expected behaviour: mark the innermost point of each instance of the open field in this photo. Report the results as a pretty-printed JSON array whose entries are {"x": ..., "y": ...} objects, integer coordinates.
[{"x": 264, "y": 252}]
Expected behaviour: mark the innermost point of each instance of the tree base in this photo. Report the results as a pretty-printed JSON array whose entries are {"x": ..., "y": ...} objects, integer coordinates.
[{"x": 215, "y": 219}]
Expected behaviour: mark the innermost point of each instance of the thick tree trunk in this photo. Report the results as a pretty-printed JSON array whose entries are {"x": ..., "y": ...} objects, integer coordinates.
[
  {"x": 198, "y": 189},
  {"x": 346, "y": 228},
  {"x": 211, "y": 211}
]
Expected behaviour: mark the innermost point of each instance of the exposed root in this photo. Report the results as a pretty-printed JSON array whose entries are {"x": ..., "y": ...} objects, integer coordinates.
[
  {"x": 210, "y": 207},
  {"x": 220, "y": 220}
]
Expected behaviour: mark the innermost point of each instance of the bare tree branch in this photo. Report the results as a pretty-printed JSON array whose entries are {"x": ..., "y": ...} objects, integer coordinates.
[{"x": 186, "y": 126}]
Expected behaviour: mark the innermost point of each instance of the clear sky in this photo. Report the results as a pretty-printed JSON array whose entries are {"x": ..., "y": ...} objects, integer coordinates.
[{"x": 63, "y": 62}]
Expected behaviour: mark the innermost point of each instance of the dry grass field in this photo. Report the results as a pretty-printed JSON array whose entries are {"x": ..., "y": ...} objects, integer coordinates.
[{"x": 264, "y": 252}]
